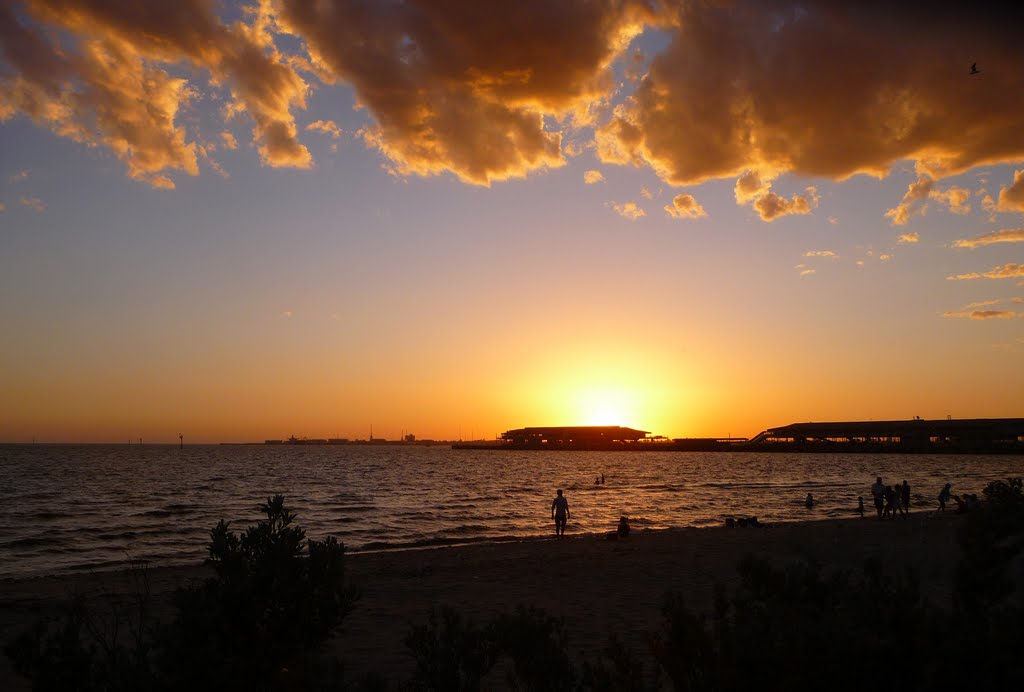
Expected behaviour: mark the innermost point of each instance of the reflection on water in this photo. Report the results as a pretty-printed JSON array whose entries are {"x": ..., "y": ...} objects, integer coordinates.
[{"x": 91, "y": 506}]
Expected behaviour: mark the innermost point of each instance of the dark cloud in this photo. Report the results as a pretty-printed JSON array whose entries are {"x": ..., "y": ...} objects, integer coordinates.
[
  {"x": 825, "y": 89},
  {"x": 463, "y": 86},
  {"x": 747, "y": 89}
]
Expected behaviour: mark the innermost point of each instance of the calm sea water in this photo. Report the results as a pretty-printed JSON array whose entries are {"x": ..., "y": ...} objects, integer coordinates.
[{"x": 78, "y": 507}]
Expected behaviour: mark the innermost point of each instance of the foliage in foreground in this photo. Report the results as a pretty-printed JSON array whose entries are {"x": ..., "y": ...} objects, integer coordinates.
[{"x": 259, "y": 622}]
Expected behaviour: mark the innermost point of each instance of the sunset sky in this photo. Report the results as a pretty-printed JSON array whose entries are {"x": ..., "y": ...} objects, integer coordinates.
[{"x": 250, "y": 220}]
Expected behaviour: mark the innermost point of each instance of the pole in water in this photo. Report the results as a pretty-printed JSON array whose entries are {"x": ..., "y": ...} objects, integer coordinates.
[{"x": 181, "y": 439}]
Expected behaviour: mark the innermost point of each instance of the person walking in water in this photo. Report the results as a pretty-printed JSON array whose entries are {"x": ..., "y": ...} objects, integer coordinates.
[
  {"x": 560, "y": 513},
  {"x": 944, "y": 496}
]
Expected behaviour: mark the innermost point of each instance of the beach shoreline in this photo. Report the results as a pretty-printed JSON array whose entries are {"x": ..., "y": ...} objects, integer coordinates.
[{"x": 597, "y": 586}]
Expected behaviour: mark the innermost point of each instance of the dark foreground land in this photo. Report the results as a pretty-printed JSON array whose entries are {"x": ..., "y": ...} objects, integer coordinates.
[{"x": 596, "y": 586}]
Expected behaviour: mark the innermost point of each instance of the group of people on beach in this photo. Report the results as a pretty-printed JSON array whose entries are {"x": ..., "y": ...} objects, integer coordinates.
[
  {"x": 890, "y": 500},
  {"x": 894, "y": 500}
]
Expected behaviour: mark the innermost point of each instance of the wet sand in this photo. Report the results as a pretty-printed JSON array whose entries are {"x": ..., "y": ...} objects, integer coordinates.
[{"x": 597, "y": 586}]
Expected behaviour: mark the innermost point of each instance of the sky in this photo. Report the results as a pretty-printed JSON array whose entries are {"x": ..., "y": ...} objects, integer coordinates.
[{"x": 248, "y": 220}]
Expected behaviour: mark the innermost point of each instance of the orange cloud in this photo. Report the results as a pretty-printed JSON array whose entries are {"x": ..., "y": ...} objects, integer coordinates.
[
  {"x": 33, "y": 203},
  {"x": 1006, "y": 235},
  {"x": 771, "y": 206},
  {"x": 750, "y": 85},
  {"x": 229, "y": 140},
  {"x": 920, "y": 192},
  {"x": 19, "y": 177},
  {"x": 459, "y": 90},
  {"x": 908, "y": 238},
  {"x": 3, "y": 207},
  {"x": 1007, "y": 271},
  {"x": 821, "y": 253},
  {"x": 684, "y": 206},
  {"x": 628, "y": 210},
  {"x": 593, "y": 177},
  {"x": 983, "y": 314},
  {"x": 1012, "y": 198},
  {"x": 955, "y": 199},
  {"x": 93, "y": 71},
  {"x": 327, "y": 127}
]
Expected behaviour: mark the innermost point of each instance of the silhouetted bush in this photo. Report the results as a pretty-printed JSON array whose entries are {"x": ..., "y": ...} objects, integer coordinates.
[
  {"x": 266, "y": 611},
  {"x": 617, "y": 669},
  {"x": 450, "y": 653},
  {"x": 537, "y": 645},
  {"x": 258, "y": 623},
  {"x": 786, "y": 627}
]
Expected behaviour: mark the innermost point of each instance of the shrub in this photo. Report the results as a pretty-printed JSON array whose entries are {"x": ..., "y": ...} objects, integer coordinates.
[{"x": 258, "y": 622}]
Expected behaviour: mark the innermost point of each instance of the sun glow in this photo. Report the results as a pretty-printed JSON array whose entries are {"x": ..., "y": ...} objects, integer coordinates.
[{"x": 606, "y": 407}]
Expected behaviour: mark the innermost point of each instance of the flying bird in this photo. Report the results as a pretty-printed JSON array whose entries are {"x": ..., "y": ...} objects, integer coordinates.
[{"x": 974, "y": 68}]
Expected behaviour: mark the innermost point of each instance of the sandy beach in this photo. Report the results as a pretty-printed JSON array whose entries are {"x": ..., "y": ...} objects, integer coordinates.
[{"x": 597, "y": 586}]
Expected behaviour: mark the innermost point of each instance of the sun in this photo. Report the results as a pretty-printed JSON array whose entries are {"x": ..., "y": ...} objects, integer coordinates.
[{"x": 605, "y": 407}]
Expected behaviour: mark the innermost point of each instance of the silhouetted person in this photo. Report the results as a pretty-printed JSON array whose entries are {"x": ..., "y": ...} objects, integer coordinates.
[
  {"x": 974, "y": 68},
  {"x": 560, "y": 513},
  {"x": 623, "y": 529},
  {"x": 891, "y": 498},
  {"x": 897, "y": 502},
  {"x": 860, "y": 506},
  {"x": 878, "y": 493},
  {"x": 905, "y": 496},
  {"x": 602, "y": 479},
  {"x": 809, "y": 501},
  {"x": 944, "y": 496},
  {"x": 961, "y": 506}
]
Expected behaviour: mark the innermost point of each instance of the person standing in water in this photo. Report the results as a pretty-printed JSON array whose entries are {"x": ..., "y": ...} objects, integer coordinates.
[{"x": 560, "y": 513}]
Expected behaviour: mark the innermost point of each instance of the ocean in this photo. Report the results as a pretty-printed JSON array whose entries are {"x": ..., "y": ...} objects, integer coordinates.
[{"x": 70, "y": 508}]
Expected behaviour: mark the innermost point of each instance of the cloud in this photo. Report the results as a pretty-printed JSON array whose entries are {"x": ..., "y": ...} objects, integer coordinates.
[
  {"x": 914, "y": 202},
  {"x": 33, "y": 203},
  {"x": 684, "y": 206},
  {"x": 983, "y": 314},
  {"x": 955, "y": 199},
  {"x": 1007, "y": 271},
  {"x": 228, "y": 140},
  {"x": 593, "y": 177},
  {"x": 981, "y": 304},
  {"x": 908, "y": 238},
  {"x": 821, "y": 253},
  {"x": 1006, "y": 235},
  {"x": 3, "y": 207},
  {"x": 771, "y": 206},
  {"x": 628, "y": 210},
  {"x": 752, "y": 85},
  {"x": 884, "y": 257},
  {"x": 1012, "y": 198},
  {"x": 454, "y": 89},
  {"x": 804, "y": 270},
  {"x": 742, "y": 86},
  {"x": 750, "y": 186},
  {"x": 327, "y": 127},
  {"x": 920, "y": 193},
  {"x": 19, "y": 177},
  {"x": 94, "y": 71}
]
